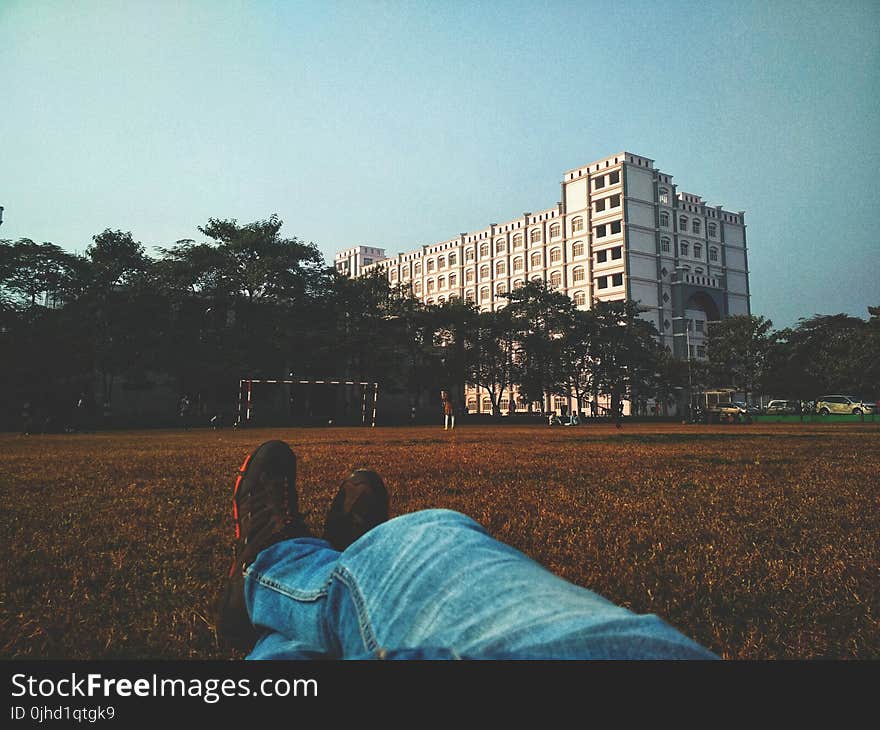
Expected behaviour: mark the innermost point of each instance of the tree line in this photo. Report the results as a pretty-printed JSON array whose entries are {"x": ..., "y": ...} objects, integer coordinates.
[{"x": 251, "y": 302}]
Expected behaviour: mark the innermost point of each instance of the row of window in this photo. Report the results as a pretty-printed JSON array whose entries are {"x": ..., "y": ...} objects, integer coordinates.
[
  {"x": 577, "y": 224},
  {"x": 684, "y": 249},
  {"x": 695, "y": 226},
  {"x": 608, "y": 229},
  {"x": 610, "y": 254},
  {"x": 603, "y": 180},
  {"x": 603, "y": 282},
  {"x": 578, "y": 275},
  {"x": 615, "y": 253},
  {"x": 580, "y": 297},
  {"x": 607, "y": 203}
]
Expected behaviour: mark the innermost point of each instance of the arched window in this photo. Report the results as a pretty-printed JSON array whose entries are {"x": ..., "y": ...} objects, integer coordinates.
[
  {"x": 500, "y": 289},
  {"x": 469, "y": 254},
  {"x": 518, "y": 240},
  {"x": 392, "y": 275},
  {"x": 577, "y": 248},
  {"x": 684, "y": 248},
  {"x": 580, "y": 299},
  {"x": 664, "y": 196},
  {"x": 711, "y": 229},
  {"x": 535, "y": 235},
  {"x": 518, "y": 264},
  {"x": 664, "y": 219},
  {"x": 453, "y": 280},
  {"x": 429, "y": 266},
  {"x": 517, "y": 283},
  {"x": 665, "y": 245},
  {"x": 484, "y": 271},
  {"x": 453, "y": 259},
  {"x": 683, "y": 222},
  {"x": 536, "y": 259},
  {"x": 501, "y": 268},
  {"x": 555, "y": 230},
  {"x": 556, "y": 278},
  {"x": 537, "y": 278},
  {"x": 577, "y": 273},
  {"x": 577, "y": 224},
  {"x": 499, "y": 246},
  {"x": 484, "y": 294},
  {"x": 713, "y": 254},
  {"x": 417, "y": 268},
  {"x": 696, "y": 226},
  {"x": 555, "y": 255},
  {"x": 441, "y": 282},
  {"x": 469, "y": 276},
  {"x": 698, "y": 250},
  {"x": 469, "y": 295},
  {"x": 417, "y": 287},
  {"x": 430, "y": 286},
  {"x": 484, "y": 250},
  {"x": 441, "y": 262}
]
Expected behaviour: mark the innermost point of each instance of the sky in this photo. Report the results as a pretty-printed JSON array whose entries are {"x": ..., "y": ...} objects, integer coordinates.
[{"x": 403, "y": 123}]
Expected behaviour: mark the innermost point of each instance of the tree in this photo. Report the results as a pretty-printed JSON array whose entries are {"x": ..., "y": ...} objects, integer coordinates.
[
  {"x": 251, "y": 302},
  {"x": 492, "y": 347},
  {"x": 454, "y": 325},
  {"x": 120, "y": 317},
  {"x": 33, "y": 273},
  {"x": 256, "y": 262},
  {"x": 626, "y": 356},
  {"x": 826, "y": 354},
  {"x": 738, "y": 348},
  {"x": 540, "y": 317},
  {"x": 576, "y": 357}
]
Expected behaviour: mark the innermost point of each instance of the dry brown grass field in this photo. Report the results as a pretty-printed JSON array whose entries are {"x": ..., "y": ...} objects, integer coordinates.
[{"x": 757, "y": 541}]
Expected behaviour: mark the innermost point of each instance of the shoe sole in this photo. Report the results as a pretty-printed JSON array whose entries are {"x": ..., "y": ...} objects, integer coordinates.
[{"x": 290, "y": 497}]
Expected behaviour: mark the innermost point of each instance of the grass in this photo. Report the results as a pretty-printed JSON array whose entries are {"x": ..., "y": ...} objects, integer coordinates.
[{"x": 757, "y": 541}]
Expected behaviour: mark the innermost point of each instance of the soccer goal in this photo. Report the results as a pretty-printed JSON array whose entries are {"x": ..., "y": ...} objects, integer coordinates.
[{"x": 306, "y": 402}]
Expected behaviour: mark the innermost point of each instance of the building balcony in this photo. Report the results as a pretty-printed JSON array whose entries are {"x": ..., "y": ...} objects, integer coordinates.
[{"x": 701, "y": 280}]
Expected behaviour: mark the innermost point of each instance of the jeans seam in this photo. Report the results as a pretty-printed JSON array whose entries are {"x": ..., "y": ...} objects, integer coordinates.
[
  {"x": 368, "y": 636},
  {"x": 296, "y": 595}
]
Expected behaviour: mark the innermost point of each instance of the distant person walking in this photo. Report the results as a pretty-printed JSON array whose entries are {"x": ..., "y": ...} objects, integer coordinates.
[
  {"x": 448, "y": 411},
  {"x": 183, "y": 411},
  {"x": 76, "y": 418}
]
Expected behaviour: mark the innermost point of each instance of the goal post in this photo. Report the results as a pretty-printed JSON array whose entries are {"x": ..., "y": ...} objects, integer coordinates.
[{"x": 319, "y": 401}]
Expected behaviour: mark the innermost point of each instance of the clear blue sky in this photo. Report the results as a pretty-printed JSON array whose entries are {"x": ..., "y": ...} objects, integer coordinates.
[{"x": 404, "y": 123}]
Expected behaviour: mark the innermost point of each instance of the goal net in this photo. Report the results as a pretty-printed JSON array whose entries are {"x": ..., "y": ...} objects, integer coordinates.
[{"x": 264, "y": 402}]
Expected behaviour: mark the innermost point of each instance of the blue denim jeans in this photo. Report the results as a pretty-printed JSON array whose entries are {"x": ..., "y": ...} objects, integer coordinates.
[{"x": 435, "y": 584}]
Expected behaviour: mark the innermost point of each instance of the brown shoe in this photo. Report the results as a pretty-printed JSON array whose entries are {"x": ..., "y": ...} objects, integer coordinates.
[
  {"x": 360, "y": 505},
  {"x": 265, "y": 511}
]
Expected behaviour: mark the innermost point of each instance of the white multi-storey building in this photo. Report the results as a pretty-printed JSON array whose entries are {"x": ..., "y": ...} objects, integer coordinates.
[{"x": 622, "y": 230}]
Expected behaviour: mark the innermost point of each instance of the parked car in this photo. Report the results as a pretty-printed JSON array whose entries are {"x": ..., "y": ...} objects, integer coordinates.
[
  {"x": 782, "y": 407},
  {"x": 843, "y": 404},
  {"x": 746, "y": 408}
]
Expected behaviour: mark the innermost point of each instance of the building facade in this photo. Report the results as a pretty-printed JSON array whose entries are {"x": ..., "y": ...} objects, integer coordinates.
[{"x": 622, "y": 230}]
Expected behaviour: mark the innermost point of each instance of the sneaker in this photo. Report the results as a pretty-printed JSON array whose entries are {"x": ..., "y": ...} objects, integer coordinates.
[
  {"x": 360, "y": 505},
  {"x": 265, "y": 511}
]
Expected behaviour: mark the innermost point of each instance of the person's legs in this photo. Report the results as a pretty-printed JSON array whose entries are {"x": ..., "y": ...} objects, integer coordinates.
[
  {"x": 436, "y": 583},
  {"x": 436, "y": 580}
]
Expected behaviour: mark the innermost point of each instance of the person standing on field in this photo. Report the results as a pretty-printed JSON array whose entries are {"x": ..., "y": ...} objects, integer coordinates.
[{"x": 448, "y": 411}]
